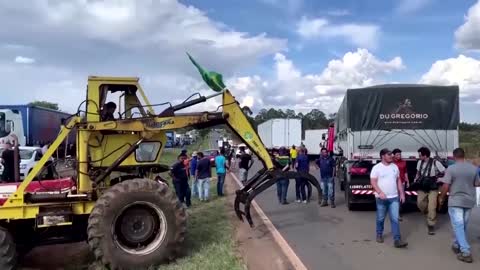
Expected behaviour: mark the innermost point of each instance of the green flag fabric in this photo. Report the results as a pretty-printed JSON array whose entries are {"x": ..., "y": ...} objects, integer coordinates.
[{"x": 213, "y": 79}]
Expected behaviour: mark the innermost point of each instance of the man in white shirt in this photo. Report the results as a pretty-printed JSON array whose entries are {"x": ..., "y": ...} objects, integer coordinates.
[{"x": 385, "y": 179}]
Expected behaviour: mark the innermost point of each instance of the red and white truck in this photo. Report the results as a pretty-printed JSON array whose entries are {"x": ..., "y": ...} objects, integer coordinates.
[{"x": 391, "y": 116}]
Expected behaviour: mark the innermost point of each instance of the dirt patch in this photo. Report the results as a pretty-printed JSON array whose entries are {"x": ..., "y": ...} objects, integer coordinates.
[
  {"x": 256, "y": 245},
  {"x": 58, "y": 257}
]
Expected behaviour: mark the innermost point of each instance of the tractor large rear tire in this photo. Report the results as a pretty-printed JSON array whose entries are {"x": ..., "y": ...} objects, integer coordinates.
[
  {"x": 8, "y": 251},
  {"x": 135, "y": 224}
]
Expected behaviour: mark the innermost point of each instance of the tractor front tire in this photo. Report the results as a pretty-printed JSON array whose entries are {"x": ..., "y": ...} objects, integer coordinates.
[
  {"x": 135, "y": 224},
  {"x": 8, "y": 251}
]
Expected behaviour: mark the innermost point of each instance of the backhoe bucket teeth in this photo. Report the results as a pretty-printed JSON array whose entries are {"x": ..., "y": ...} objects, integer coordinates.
[{"x": 261, "y": 182}]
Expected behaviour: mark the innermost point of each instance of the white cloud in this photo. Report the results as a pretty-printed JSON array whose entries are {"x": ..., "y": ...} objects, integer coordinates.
[
  {"x": 467, "y": 36},
  {"x": 24, "y": 60},
  {"x": 410, "y": 6},
  {"x": 119, "y": 38},
  {"x": 462, "y": 71},
  {"x": 291, "y": 89},
  {"x": 363, "y": 35}
]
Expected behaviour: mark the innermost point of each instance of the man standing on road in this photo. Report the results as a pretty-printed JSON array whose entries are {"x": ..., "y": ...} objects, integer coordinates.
[
  {"x": 180, "y": 181},
  {"x": 246, "y": 162},
  {"x": 385, "y": 179},
  {"x": 460, "y": 180},
  {"x": 203, "y": 174},
  {"x": 220, "y": 165},
  {"x": 282, "y": 163},
  {"x": 326, "y": 164},
  {"x": 193, "y": 168},
  {"x": 428, "y": 170},
  {"x": 303, "y": 166},
  {"x": 293, "y": 155},
  {"x": 402, "y": 168}
]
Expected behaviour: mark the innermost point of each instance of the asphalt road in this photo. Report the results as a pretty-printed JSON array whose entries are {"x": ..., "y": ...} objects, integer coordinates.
[{"x": 326, "y": 238}]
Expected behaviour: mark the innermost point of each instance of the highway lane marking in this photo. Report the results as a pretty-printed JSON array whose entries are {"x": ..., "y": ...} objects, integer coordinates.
[{"x": 284, "y": 246}]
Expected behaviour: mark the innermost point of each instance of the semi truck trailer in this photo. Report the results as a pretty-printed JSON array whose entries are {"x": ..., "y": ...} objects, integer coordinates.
[
  {"x": 276, "y": 133},
  {"x": 392, "y": 116},
  {"x": 33, "y": 125}
]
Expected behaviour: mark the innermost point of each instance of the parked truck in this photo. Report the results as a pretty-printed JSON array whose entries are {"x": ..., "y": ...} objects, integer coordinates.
[
  {"x": 315, "y": 139},
  {"x": 33, "y": 125},
  {"x": 392, "y": 116},
  {"x": 276, "y": 133}
]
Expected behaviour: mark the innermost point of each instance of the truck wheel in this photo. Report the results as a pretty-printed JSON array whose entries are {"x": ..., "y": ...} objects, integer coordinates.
[
  {"x": 8, "y": 253},
  {"x": 136, "y": 223}
]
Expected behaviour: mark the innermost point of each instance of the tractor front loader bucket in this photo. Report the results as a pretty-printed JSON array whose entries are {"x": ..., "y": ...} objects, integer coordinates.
[{"x": 261, "y": 181}]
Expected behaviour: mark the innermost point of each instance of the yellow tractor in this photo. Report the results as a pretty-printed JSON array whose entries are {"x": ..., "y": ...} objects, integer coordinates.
[{"x": 129, "y": 219}]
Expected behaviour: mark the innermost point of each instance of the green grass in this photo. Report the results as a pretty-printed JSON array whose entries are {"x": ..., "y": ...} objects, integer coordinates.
[
  {"x": 209, "y": 243},
  {"x": 470, "y": 142}
]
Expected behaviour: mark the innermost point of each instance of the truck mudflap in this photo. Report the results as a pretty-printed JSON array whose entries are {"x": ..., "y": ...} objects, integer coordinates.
[{"x": 261, "y": 181}]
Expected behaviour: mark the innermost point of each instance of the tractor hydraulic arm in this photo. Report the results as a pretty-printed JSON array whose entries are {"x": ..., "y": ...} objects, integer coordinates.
[
  {"x": 267, "y": 176},
  {"x": 233, "y": 116}
]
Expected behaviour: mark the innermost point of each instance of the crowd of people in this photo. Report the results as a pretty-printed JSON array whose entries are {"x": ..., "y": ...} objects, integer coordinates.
[
  {"x": 389, "y": 178},
  {"x": 298, "y": 160},
  {"x": 192, "y": 175},
  {"x": 433, "y": 181}
]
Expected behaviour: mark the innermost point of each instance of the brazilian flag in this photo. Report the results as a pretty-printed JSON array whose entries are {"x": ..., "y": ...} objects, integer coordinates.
[{"x": 213, "y": 79}]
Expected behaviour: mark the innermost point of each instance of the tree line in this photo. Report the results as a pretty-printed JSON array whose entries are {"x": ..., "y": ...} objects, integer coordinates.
[{"x": 314, "y": 119}]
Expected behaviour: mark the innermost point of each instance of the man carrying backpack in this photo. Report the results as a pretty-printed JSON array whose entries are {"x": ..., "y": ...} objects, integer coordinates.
[{"x": 428, "y": 172}]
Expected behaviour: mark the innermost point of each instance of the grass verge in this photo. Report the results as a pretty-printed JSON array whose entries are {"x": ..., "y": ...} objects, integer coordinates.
[{"x": 209, "y": 243}]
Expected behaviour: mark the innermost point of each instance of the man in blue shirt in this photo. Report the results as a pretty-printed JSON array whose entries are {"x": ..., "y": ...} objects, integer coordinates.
[
  {"x": 193, "y": 168},
  {"x": 326, "y": 164},
  {"x": 203, "y": 173},
  {"x": 302, "y": 165},
  {"x": 220, "y": 165}
]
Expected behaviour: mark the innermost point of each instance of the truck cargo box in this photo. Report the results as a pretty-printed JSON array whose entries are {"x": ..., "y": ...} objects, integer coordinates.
[
  {"x": 281, "y": 132},
  {"x": 40, "y": 125}
]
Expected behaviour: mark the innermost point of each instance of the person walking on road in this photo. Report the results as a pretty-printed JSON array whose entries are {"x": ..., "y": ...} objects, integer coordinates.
[
  {"x": 326, "y": 164},
  {"x": 303, "y": 166},
  {"x": 428, "y": 171},
  {"x": 246, "y": 163},
  {"x": 180, "y": 181},
  {"x": 385, "y": 179},
  {"x": 221, "y": 167},
  {"x": 203, "y": 175},
  {"x": 402, "y": 168},
  {"x": 193, "y": 168},
  {"x": 293, "y": 155},
  {"x": 460, "y": 181},
  {"x": 282, "y": 163}
]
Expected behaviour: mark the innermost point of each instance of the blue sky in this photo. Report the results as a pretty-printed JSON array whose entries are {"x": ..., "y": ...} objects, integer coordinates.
[
  {"x": 421, "y": 35},
  {"x": 295, "y": 54}
]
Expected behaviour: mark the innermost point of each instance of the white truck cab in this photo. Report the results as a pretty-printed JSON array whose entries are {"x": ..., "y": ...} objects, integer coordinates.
[{"x": 11, "y": 123}]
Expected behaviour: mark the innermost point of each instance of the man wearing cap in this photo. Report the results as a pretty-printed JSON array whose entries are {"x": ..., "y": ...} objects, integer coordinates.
[{"x": 385, "y": 179}]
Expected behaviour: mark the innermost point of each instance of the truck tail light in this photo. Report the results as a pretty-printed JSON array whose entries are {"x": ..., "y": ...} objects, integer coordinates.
[{"x": 358, "y": 171}]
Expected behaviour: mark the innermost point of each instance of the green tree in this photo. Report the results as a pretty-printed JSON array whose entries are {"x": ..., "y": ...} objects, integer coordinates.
[{"x": 45, "y": 104}]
